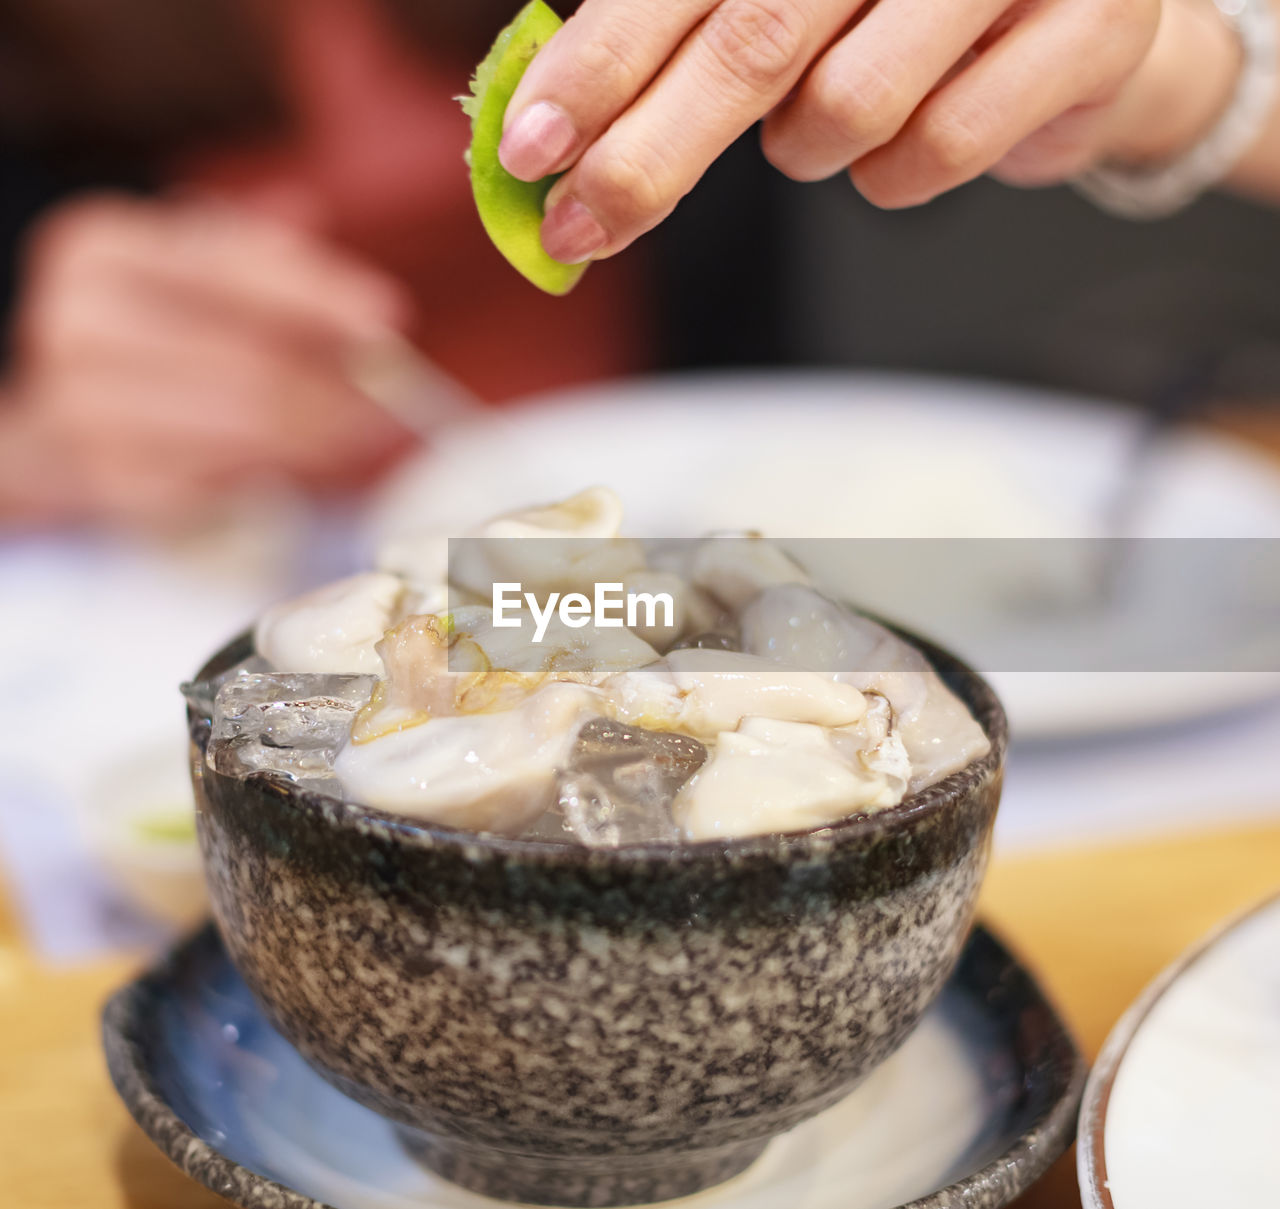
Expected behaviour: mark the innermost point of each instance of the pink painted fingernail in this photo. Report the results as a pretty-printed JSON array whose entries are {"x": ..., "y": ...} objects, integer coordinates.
[
  {"x": 537, "y": 142},
  {"x": 570, "y": 232}
]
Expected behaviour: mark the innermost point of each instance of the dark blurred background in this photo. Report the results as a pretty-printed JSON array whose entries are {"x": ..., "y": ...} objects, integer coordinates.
[{"x": 1036, "y": 287}]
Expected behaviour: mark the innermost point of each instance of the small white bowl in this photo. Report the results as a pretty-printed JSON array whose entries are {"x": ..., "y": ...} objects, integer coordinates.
[{"x": 138, "y": 821}]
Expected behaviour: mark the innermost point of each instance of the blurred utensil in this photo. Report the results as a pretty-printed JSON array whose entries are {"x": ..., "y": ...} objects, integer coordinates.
[
  {"x": 1181, "y": 397},
  {"x": 418, "y": 393}
]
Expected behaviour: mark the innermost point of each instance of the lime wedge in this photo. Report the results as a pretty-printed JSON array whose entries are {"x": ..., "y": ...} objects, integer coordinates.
[
  {"x": 510, "y": 209},
  {"x": 178, "y": 827}
]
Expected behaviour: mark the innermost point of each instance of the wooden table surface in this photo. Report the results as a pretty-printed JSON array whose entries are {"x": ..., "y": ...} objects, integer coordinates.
[{"x": 1095, "y": 923}]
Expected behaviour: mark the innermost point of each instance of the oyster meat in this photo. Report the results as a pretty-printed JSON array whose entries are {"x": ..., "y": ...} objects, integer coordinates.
[{"x": 758, "y": 705}]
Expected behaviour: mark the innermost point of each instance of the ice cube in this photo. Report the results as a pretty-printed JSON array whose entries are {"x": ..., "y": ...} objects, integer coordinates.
[
  {"x": 289, "y": 709},
  {"x": 551, "y": 828},
  {"x": 620, "y": 783},
  {"x": 201, "y": 694},
  {"x": 591, "y": 816},
  {"x": 645, "y": 764},
  {"x": 284, "y": 722}
]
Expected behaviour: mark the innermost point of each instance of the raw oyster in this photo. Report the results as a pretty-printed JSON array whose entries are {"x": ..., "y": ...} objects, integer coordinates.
[
  {"x": 765, "y": 707},
  {"x": 774, "y": 776},
  {"x": 706, "y": 692},
  {"x": 798, "y": 627},
  {"x": 334, "y": 629},
  {"x": 491, "y": 772}
]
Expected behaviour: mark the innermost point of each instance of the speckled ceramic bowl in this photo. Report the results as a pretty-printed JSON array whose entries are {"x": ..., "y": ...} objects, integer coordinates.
[{"x": 560, "y": 1025}]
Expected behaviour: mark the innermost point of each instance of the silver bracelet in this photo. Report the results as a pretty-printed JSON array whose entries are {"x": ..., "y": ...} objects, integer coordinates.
[{"x": 1163, "y": 190}]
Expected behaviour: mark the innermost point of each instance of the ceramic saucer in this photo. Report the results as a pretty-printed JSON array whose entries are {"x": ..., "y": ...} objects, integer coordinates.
[
  {"x": 969, "y": 1112},
  {"x": 1183, "y": 1108}
]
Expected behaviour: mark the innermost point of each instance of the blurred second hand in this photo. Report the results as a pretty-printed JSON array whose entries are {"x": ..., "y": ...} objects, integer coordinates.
[{"x": 424, "y": 398}]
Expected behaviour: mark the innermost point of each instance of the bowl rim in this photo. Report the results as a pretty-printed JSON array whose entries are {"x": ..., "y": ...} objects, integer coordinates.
[{"x": 857, "y": 830}]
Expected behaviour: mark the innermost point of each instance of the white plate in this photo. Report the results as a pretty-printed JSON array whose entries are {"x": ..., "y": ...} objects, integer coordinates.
[
  {"x": 1182, "y": 1110},
  {"x": 865, "y": 455}
]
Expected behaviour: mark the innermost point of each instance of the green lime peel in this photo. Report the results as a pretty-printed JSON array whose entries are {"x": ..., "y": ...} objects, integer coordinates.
[{"x": 511, "y": 209}]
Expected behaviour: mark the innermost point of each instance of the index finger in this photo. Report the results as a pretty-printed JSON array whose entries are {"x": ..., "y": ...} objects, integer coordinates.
[
  {"x": 595, "y": 66},
  {"x": 735, "y": 66}
]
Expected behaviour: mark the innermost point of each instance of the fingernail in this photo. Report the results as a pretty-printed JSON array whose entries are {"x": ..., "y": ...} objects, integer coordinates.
[
  {"x": 537, "y": 142},
  {"x": 571, "y": 234}
]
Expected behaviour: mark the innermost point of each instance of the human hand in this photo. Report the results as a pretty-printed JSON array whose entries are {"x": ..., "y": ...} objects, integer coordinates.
[
  {"x": 167, "y": 350},
  {"x": 633, "y": 101}
]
